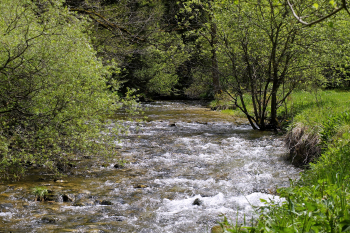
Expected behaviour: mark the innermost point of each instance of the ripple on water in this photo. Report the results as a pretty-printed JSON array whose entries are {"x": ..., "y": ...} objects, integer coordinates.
[{"x": 205, "y": 156}]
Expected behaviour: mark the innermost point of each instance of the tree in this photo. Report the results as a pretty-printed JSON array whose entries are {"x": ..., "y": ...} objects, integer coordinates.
[
  {"x": 160, "y": 64},
  {"x": 201, "y": 25},
  {"x": 127, "y": 32},
  {"x": 336, "y": 71},
  {"x": 53, "y": 91},
  {"x": 332, "y": 10},
  {"x": 265, "y": 54}
]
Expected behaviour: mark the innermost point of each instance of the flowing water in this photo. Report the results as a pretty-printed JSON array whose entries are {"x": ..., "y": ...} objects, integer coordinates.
[{"x": 186, "y": 167}]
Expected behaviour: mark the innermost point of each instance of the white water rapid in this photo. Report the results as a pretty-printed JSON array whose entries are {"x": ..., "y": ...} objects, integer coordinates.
[{"x": 186, "y": 167}]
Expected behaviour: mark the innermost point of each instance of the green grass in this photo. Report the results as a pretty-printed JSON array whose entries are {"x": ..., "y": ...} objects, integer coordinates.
[
  {"x": 314, "y": 108},
  {"x": 40, "y": 193},
  {"x": 226, "y": 101},
  {"x": 317, "y": 203},
  {"x": 309, "y": 108},
  {"x": 320, "y": 200}
]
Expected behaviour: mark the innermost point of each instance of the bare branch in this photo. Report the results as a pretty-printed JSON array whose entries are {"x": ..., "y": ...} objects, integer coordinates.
[
  {"x": 100, "y": 19},
  {"x": 343, "y": 6}
]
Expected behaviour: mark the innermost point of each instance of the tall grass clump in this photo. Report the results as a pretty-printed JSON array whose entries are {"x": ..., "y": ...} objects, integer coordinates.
[{"x": 40, "y": 193}]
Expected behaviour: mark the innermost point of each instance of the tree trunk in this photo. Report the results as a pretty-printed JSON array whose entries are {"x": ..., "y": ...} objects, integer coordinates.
[
  {"x": 274, "y": 121},
  {"x": 214, "y": 60}
]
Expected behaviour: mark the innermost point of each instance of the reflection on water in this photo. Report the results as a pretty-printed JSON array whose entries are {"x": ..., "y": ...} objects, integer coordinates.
[{"x": 186, "y": 167}]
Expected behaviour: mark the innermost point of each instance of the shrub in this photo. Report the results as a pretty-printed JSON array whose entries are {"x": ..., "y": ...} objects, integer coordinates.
[{"x": 53, "y": 92}]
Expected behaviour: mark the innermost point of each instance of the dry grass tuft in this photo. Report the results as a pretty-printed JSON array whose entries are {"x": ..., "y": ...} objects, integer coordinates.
[{"x": 304, "y": 145}]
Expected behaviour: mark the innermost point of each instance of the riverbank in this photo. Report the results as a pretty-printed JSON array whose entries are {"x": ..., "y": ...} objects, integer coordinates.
[{"x": 318, "y": 126}]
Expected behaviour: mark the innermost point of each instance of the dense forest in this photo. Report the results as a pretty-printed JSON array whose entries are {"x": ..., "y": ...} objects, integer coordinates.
[{"x": 66, "y": 66}]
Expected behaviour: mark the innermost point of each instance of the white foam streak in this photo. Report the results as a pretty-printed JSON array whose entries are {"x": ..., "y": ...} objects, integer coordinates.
[{"x": 218, "y": 204}]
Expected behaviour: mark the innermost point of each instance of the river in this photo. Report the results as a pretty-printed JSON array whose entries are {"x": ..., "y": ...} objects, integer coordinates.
[{"x": 185, "y": 167}]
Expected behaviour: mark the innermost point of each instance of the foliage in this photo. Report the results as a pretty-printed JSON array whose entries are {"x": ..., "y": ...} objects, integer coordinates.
[
  {"x": 203, "y": 36},
  {"x": 267, "y": 61},
  {"x": 137, "y": 35},
  {"x": 262, "y": 66},
  {"x": 53, "y": 91},
  {"x": 303, "y": 144},
  {"x": 40, "y": 193},
  {"x": 159, "y": 74},
  {"x": 322, "y": 10}
]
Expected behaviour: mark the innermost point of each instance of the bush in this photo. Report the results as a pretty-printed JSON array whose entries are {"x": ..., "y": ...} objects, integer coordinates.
[{"x": 53, "y": 92}]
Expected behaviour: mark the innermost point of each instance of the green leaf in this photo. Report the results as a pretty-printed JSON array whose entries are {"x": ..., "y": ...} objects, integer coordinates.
[{"x": 345, "y": 225}]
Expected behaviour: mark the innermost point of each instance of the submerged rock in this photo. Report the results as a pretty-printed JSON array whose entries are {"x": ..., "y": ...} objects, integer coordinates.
[
  {"x": 105, "y": 202},
  {"x": 68, "y": 197},
  {"x": 117, "y": 219},
  {"x": 89, "y": 202},
  {"x": 51, "y": 196},
  {"x": 118, "y": 166},
  {"x": 6, "y": 205},
  {"x": 97, "y": 202},
  {"x": 201, "y": 123},
  {"x": 60, "y": 181},
  {"x": 79, "y": 204},
  {"x": 197, "y": 202},
  {"x": 48, "y": 219},
  {"x": 26, "y": 205}
]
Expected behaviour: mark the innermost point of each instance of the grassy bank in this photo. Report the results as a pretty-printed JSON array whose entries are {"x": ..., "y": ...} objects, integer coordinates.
[
  {"x": 309, "y": 108},
  {"x": 319, "y": 201}
]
